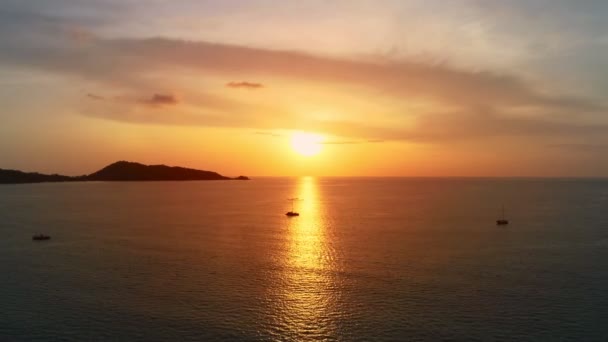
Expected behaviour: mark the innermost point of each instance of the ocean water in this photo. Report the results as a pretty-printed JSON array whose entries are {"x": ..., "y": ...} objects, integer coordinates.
[{"x": 369, "y": 259}]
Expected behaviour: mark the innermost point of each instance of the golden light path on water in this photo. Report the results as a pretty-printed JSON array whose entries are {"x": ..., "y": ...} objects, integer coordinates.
[{"x": 309, "y": 292}]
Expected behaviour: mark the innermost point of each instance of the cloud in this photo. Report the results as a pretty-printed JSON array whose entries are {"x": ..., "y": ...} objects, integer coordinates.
[
  {"x": 346, "y": 142},
  {"x": 271, "y": 134},
  {"x": 128, "y": 61},
  {"x": 161, "y": 100},
  {"x": 331, "y": 142},
  {"x": 474, "y": 124},
  {"x": 581, "y": 147},
  {"x": 245, "y": 84},
  {"x": 418, "y": 80},
  {"x": 154, "y": 100},
  {"x": 486, "y": 122},
  {"x": 471, "y": 104},
  {"x": 352, "y": 142},
  {"x": 95, "y": 97}
]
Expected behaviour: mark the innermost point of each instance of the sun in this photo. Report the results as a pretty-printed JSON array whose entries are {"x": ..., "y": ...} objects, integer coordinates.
[{"x": 307, "y": 144}]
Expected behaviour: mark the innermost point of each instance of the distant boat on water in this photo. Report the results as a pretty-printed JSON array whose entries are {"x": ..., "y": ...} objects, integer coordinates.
[
  {"x": 292, "y": 212},
  {"x": 502, "y": 221},
  {"x": 40, "y": 237}
]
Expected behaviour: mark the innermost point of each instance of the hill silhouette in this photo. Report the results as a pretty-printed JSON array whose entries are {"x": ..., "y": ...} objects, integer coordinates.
[
  {"x": 119, "y": 171},
  {"x": 16, "y": 177}
]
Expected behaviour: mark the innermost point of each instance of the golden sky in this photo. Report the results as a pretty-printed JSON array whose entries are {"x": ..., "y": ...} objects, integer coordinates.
[{"x": 328, "y": 88}]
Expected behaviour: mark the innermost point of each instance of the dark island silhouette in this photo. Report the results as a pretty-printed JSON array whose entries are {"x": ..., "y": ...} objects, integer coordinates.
[{"x": 119, "y": 171}]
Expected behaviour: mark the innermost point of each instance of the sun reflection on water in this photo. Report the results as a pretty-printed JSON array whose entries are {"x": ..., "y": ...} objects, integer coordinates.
[
  {"x": 306, "y": 232},
  {"x": 308, "y": 291}
]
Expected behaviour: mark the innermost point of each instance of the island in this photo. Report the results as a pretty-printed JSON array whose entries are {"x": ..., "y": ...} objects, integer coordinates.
[{"x": 119, "y": 171}]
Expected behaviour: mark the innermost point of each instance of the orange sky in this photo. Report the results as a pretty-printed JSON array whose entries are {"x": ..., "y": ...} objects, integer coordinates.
[{"x": 394, "y": 88}]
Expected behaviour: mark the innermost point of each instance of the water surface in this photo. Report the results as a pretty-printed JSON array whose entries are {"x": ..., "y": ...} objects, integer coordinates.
[{"x": 368, "y": 259}]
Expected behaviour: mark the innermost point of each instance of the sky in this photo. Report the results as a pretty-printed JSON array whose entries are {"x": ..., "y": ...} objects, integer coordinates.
[{"x": 390, "y": 87}]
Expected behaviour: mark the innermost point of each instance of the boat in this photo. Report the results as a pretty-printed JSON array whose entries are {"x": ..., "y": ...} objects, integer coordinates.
[
  {"x": 41, "y": 237},
  {"x": 292, "y": 213},
  {"x": 502, "y": 221}
]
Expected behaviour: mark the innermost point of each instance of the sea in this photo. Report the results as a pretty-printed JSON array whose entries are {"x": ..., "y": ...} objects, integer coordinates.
[{"x": 368, "y": 259}]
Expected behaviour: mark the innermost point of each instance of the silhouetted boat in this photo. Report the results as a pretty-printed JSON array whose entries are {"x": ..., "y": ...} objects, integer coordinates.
[
  {"x": 502, "y": 221},
  {"x": 41, "y": 237},
  {"x": 292, "y": 212}
]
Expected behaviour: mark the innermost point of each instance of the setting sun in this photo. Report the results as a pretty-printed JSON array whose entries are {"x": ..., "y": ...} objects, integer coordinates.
[{"x": 307, "y": 144}]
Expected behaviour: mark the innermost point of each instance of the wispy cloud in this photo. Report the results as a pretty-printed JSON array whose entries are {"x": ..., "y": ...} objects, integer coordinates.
[
  {"x": 331, "y": 142},
  {"x": 345, "y": 142},
  {"x": 270, "y": 134},
  {"x": 434, "y": 82},
  {"x": 127, "y": 61},
  {"x": 352, "y": 142},
  {"x": 581, "y": 147},
  {"x": 153, "y": 100},
  {"x": 161, "y": 100},
  {"x": 95, "y": 97},
  {"x": 471, "y": 104},
  {"x": 245, "y": 84}
]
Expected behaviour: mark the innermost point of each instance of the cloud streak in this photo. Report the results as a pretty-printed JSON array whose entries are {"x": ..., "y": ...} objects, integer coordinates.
[
  {"x": 244, "y": 84},
  {"x": 95, "y": 97},
  {"x": 435, "y": 82},
  {"x": 161, "y": 100},
  {"x": 127, "y": 61},
  {"x": 270, "y": 134}
]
